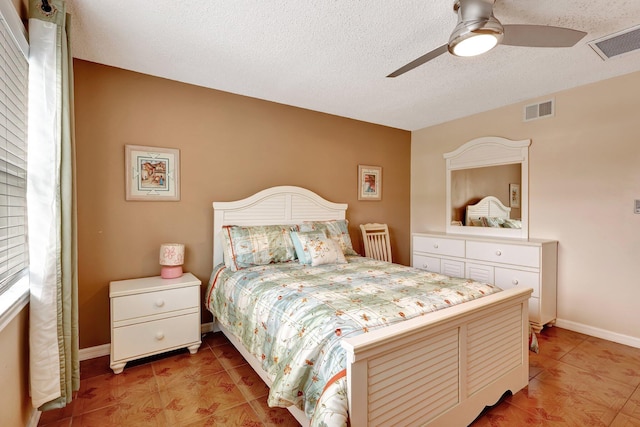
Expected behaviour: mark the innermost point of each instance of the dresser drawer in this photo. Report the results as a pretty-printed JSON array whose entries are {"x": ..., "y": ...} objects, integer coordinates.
[
  {"x": 426, "y": 263},
  {"x": 152, "y": 337},
  {"x": 435, "y": 245},
  {"x": 507, "y": 278},
  {"x": 506, "y": 253},
  {"x": 150, "y": 303}
]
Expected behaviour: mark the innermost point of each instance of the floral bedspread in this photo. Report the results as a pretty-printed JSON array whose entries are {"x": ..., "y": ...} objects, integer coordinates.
[{"x": 293, "y": 316}]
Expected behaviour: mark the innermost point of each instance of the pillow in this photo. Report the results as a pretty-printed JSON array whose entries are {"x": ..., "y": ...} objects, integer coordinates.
[
  {"x": 492, "y": 221},
  {"x": 337, "y": 230},
  {"x": 324, "y": 250},
  {"x": 256, "y": 245},
  {"x": 301, "y": 241},
  {"x": 512, "y": 223},
  {"x": 476, "y": 222}
]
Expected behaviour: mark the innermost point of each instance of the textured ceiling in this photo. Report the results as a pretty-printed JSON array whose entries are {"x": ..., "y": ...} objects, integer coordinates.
[{"x": 332, "y": 56}]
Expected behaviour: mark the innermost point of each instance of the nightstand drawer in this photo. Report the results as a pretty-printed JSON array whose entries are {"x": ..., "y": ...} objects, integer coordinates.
[
  {"x": 435, "y": 245},
  {"x": 505, "y": 253},
  {"x": 147, "y": 304},
  {"x": 151, "y": 337}
]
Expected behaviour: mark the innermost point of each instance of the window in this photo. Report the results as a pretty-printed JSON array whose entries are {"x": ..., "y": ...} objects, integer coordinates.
[{"x": 14, "y": 74}]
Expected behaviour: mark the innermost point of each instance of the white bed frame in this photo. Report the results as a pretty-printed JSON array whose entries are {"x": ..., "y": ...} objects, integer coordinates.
[
  {"x": 441, "y": 369},
  {"x": 489, "y": 206}
]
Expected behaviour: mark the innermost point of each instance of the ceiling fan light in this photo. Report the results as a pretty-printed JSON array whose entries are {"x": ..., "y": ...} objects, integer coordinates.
[
  {"x": 475, "y": 44},
  {"x": 477, "y": 30}
]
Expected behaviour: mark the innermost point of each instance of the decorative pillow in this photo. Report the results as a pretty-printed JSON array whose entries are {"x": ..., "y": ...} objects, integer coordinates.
[
  {"x": 476, "y": 222},
  {"x": 301, "y": 241},
  {"x": 492, "y": 221},
  {"x": 256, "y": 245},
  {"x": 337, "y": 230},
  {"x": 324, "y": 250},
  {"x": 512, "y": 223}
]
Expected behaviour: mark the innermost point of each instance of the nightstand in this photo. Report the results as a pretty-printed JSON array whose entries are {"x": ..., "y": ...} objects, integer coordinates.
[{"x": 152, "y": 315}]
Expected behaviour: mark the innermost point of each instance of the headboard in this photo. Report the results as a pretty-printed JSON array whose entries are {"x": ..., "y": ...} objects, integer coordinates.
[
  {"x": 275, "y": 205},
  {"x": 489, "y": 206}
]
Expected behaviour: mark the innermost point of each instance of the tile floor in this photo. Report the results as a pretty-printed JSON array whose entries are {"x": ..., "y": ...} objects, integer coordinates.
[{"x": 576, "y": 380}]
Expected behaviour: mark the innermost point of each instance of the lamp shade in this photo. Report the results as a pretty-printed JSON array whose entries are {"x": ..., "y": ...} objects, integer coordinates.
[{"x": 171, "y": 260}]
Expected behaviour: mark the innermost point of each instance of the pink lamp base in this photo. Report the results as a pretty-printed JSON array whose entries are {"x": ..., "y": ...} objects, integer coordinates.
[{"x": 171, "y": 271}]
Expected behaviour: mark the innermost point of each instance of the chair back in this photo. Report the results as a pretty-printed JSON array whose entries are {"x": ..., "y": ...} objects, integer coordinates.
[{"x": 376, "y": 241}]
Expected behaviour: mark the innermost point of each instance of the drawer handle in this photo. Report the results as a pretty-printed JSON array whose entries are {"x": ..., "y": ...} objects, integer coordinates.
[
  {"x": 160, "y": 303},
  {"x": 425, "y": 266},
  {"x": 498, "y": 253},
  {"x": 159, "y": 336},
  {"x": 515, "y": 281},
  {"x": 435, "y": 246}
]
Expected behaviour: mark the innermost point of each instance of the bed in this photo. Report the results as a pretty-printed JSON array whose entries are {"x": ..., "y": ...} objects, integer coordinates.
[
  {"x": 490, "y": 212},
  {"x": 438, "y": 368}
]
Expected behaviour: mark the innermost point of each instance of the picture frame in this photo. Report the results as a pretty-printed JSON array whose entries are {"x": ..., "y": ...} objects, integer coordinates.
[
  {"x": 369, "y": 182},
  {"x": 514, "y": 195},
  {"x": 152, "y": 173}
]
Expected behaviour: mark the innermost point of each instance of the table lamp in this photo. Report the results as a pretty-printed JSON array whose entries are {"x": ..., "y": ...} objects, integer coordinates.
[{"x": 171, "y": 260}]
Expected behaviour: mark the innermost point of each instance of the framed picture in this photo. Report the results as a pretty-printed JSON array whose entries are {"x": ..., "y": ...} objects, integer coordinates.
[
  {"x": 369, "y": 182},
  {"x": 152, "y": 173},
  {"x": 514, "y": 195}
]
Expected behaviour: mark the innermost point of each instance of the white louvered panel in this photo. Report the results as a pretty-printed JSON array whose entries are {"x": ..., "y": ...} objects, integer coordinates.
[
  {"x": 512, "y": 360},
  {"x": 483, "y": 332},
  {"x": 405, "y": 386},
  {"x": 272, "y": 209},
  {"x": 304, "y": 209},
  {"x": 420, "y": 350},
  {"x": 488, "y": 326},
  {"x": 406, "y": 413},
  {"x": 452, "y": 268},
  {"x": 383, "y": 379},
  {"x": 427, "y": 368},
  {"x": 492, "y": 350},
  {"x": 480, "y": 273}
]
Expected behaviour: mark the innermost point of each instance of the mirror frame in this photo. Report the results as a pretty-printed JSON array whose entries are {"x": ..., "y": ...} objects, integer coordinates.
[{"x": 491, "y": 151}]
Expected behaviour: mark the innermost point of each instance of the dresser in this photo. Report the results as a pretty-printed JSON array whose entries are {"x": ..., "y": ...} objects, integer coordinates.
[
  {"x": 507, "y": 263},
  {"x": 152, "y": 315}
]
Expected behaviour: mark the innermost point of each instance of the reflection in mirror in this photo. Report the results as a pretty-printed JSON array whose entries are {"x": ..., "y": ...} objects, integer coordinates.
[
  {"x": 469, "y": 186},
  {"x": 486, "y": 167}
]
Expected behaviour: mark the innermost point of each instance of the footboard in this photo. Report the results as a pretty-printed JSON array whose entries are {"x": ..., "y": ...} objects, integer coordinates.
[{"x": 442, "y": 368}]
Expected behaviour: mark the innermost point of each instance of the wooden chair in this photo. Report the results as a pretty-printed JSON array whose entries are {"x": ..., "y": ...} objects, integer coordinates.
[{"x": 376, "y": 241}]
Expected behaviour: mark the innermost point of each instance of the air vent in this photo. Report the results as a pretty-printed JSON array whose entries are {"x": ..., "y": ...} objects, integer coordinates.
[
  {"x": 540, "y": 110},
  {"x": 617, "y": 44}
]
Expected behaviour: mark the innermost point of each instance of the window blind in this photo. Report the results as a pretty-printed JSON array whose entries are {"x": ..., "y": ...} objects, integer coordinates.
[{"x": 14, "y": 74}]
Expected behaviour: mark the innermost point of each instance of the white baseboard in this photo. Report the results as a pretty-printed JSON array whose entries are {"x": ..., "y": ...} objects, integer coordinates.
[
  {"x": 598, "y": 333},
  {"x": 105, "y": 349},
  {"x": 93, "y": 352}
]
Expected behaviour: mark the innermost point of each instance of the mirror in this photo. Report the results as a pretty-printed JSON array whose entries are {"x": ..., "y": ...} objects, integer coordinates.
[{"x": 488, "y": 166}]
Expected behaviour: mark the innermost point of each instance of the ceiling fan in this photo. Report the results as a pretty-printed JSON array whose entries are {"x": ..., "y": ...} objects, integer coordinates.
[{"x": 478, "y": 31}]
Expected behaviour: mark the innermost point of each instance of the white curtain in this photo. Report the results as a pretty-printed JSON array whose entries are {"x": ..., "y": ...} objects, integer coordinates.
[{"x": 53, "y": 315}]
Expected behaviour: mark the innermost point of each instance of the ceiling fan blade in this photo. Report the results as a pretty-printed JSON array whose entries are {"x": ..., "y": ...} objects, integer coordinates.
[
  {"x": 417, "y": 62},
  {"x": 540, "y": 36}
]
